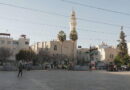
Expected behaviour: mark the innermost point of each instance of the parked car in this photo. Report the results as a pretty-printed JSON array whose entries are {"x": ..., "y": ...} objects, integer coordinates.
[
  {"x": 47, "y": 66},
  {"x": 112, "y": 67},
  {"x": 9, "y": 67},
  {"x": 124, "y": 67},
  {"x": 28, "y": 66}
]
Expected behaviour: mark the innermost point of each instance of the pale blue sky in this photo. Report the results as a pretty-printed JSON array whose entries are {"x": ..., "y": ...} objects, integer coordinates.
[{"x": 20, "y": 21}]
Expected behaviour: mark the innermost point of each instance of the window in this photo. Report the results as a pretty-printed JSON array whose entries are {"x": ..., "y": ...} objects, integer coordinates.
[
  {"x": 95, "y": 53},
  {"x": 27, "y": 43},
  {"x": 9, "y": 42},
  {"x": 46, "y": 48},
  {"x": 111, "y": 55},
  {"x": 55, "y": 47},
  {"x": 79, "y": 52},
  {"x": 15, "y": 42},
  {"x": 2, "y": 41},
  {"x": 14, "y": 48}
]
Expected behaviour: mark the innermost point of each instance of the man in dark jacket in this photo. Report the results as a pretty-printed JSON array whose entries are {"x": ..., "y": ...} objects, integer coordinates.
[{"x": 20, "y": 69}]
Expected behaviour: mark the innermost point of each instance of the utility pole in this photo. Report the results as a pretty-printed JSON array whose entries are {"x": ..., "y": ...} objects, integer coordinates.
[{"x": 90, "y": 55}]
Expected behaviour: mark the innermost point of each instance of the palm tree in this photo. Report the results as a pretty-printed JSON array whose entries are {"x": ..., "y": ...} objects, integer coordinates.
[
  {"x": 74, "y": 38},
  {"x": 62, "y": 38}
]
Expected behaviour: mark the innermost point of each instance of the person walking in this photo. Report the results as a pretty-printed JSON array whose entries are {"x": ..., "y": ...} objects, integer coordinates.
[
  {"x": 90, "y": 67},
  {"x": 20, "y": 67}
]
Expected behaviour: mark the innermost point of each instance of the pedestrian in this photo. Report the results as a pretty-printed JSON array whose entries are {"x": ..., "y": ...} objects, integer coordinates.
[
  {"x": 90, "y": 67},
  {"x": 20, "y": 67}
]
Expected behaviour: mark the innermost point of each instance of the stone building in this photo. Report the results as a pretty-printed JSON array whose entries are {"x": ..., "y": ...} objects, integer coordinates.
[
  {"x": 6, "y": 41},
  {"x": 84, "y": 54},
  {"x": 106, "y": 53},
  {"x": 54, "y": 46},
  {"x": 102, "y": 53}
]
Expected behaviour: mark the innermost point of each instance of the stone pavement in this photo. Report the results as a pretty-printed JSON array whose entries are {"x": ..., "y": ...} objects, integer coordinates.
[{"x": 64, "y": 80}]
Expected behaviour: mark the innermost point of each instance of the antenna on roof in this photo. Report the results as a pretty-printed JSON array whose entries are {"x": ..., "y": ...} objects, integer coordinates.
[{"x": 121, "y": 28}]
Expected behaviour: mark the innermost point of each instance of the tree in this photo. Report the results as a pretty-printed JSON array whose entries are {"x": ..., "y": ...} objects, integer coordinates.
[
  {"x": 5, "y": 53},
  {"x": 118, "y": 61},
  {"x": 56, "y": 59},
  {"x": 26, "y": 55},
  {"x": 43, "y": 56},
  {"x": 122, "y": 58},
  {"x": 62, "y": 38},
  {"x": 74, "y": 38},
  {"x": 123, "y": 50}
]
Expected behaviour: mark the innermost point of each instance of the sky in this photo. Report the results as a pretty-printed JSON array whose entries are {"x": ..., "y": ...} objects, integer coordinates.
[{"x": 43, "y": 24}]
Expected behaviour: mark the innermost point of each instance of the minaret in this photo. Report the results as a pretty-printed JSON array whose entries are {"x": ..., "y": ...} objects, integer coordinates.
[
  {"x": 73, "y": 35},
  {"x": 73, "y": 22},
  {"x": 121, "y": 28}
]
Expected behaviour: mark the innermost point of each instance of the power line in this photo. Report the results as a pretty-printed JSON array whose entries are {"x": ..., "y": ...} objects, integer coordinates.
[
  {"x": 98, "y": 8},
  {"x": 56, "y": 14},
  {"x": 58, "y": 26},
  {"x": 32, "y": 9},
  {"x": 98, "y": 22},
  {"x": 97, "y": 39},
  {"x": 97, "y": 31},
  {"x": 88, "y": 30}
]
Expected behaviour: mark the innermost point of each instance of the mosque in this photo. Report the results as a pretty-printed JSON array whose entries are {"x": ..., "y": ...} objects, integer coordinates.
[{"x": 69, "y": 49}]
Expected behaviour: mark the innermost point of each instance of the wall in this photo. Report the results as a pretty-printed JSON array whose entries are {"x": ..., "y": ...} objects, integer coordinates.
[
  {"x": 67, "y": 48},
  {"x": 14, "y": 45}
]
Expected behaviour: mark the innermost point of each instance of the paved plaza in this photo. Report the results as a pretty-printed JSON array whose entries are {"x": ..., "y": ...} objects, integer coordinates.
[{"x": 65, "y": 80}]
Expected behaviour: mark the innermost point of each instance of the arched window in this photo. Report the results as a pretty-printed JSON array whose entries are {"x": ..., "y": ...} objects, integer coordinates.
[{"x": 55, "y": 47}]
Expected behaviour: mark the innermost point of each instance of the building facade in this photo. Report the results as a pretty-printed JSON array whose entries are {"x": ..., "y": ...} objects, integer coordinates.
[
  {"x": 82, "y": 54},
  {"x": 88, "y": 54},
  {"x": 99, "y": 53},
  {"x": 14, "y": 45},
  {"x": 54, "y": 46},
  {"x": 107, "y": 53}
]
